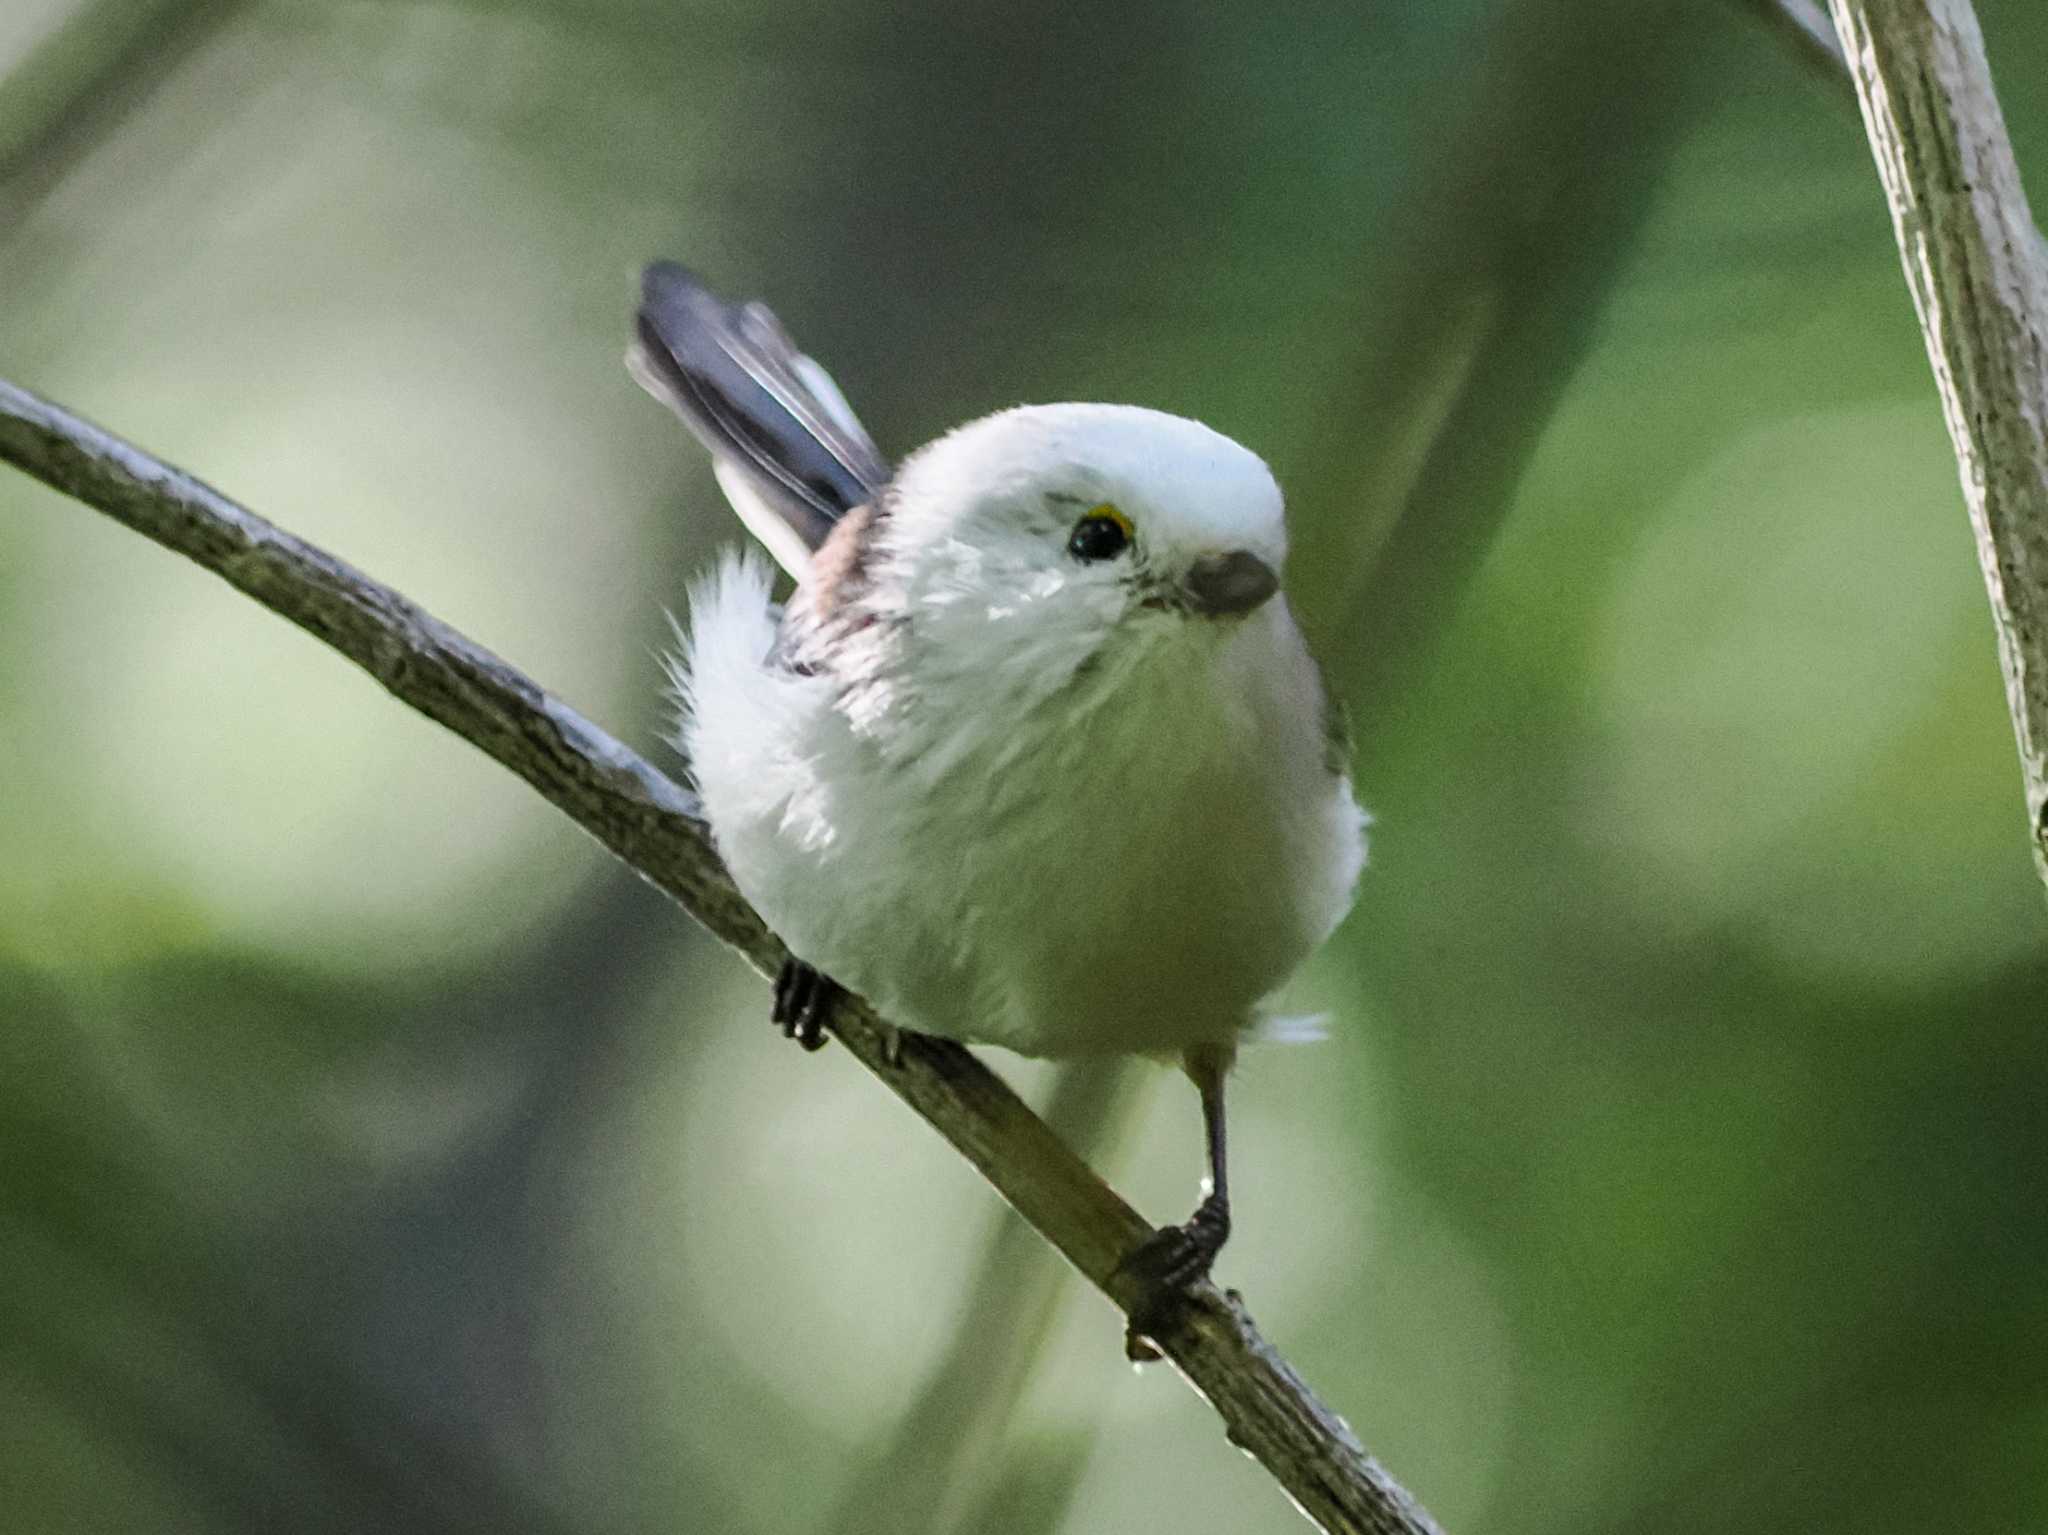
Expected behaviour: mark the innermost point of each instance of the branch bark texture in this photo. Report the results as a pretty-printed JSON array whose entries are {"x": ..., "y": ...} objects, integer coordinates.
[
  {"x": 653, "y": 825},
  {"x": 1979, "y": 279}
]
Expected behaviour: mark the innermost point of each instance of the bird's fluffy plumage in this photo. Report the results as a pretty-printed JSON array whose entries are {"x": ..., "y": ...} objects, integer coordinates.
[{"x": 1013, "y": 796}]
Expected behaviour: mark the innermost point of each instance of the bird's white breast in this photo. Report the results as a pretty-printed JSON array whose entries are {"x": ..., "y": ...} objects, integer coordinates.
[{"x": 1130, "y": 865}]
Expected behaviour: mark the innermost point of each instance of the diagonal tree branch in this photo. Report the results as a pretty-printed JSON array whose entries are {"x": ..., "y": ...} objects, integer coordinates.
[
  {"x": 950, "y": 1440},
  {"x": 1977, "y": 266},
  {"x": 1979, "y": 278},
  {"x": 653, "y": 826}
]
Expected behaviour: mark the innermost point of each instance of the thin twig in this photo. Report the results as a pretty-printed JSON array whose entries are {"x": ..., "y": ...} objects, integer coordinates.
[
  {"x": 653, "y": 826},
  {"x": 1979, "y": 280},
  {"x": 1804, "y": 24},
  {"x": 1795, "y": 21}
]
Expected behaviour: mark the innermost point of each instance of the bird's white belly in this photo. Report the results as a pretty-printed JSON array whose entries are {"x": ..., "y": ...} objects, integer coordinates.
[
  {"x": 1163, "y": 933},
  {"x": 1112, "y": 888}
]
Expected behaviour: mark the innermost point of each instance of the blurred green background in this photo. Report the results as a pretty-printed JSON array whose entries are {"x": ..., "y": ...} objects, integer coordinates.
[{"x": 375, "y": 1155}]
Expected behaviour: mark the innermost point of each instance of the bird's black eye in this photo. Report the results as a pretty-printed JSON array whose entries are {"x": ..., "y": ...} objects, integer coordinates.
[{"x": 1103, "y": 534}]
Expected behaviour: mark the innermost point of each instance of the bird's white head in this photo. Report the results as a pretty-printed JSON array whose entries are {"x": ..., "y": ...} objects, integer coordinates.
[{"x": 1059, "y": 529}]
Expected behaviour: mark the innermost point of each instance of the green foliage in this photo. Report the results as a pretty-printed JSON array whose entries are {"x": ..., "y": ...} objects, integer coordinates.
[{"x": 378, "y": 1158}]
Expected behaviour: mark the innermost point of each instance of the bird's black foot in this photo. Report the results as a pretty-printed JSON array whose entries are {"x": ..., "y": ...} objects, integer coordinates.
[
  {"x": 1168, "y": 1264},
  {"x": 804, "y": 999}
]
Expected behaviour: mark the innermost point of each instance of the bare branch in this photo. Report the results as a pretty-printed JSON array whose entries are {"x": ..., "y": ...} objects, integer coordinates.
[
  {"x": 653, "y": 826},
  {"x": 926, "y": 1479},
  {"x": 1979, "y": 279}
]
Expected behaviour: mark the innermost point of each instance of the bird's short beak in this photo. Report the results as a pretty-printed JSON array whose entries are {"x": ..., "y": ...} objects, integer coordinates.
[{"x": 1219, "y": 585}]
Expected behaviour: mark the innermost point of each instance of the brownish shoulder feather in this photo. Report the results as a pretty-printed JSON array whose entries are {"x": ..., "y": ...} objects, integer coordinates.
[
  {"x": 839, "y": 566},
  {"x": 838, "y": 573}
]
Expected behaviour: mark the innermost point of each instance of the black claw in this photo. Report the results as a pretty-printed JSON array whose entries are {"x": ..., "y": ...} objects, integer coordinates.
[
  {"x": 804, "y": 999},
  {"x": 1169, "y": 1263}
]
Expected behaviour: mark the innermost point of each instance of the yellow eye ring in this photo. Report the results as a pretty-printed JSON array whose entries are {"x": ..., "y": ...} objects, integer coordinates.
[
  {"x": 1115, "y": 514},
  {"x": 1103, "y": 533}
]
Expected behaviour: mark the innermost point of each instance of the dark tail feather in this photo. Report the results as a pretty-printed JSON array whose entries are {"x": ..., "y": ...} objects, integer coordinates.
[{"x": 762, "y": 407}]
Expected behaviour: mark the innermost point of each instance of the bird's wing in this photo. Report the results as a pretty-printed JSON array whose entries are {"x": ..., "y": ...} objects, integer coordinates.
[{"x": 788, "y": 450}]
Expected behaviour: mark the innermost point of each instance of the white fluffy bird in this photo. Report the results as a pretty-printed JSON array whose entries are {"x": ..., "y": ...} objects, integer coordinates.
[{"x": 1035, "y": 755}]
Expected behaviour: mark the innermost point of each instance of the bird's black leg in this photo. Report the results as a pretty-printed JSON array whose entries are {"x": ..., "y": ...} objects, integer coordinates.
[
  {"x": 804, "y": 999},
  {"x": 1176, "y": 1257}
]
